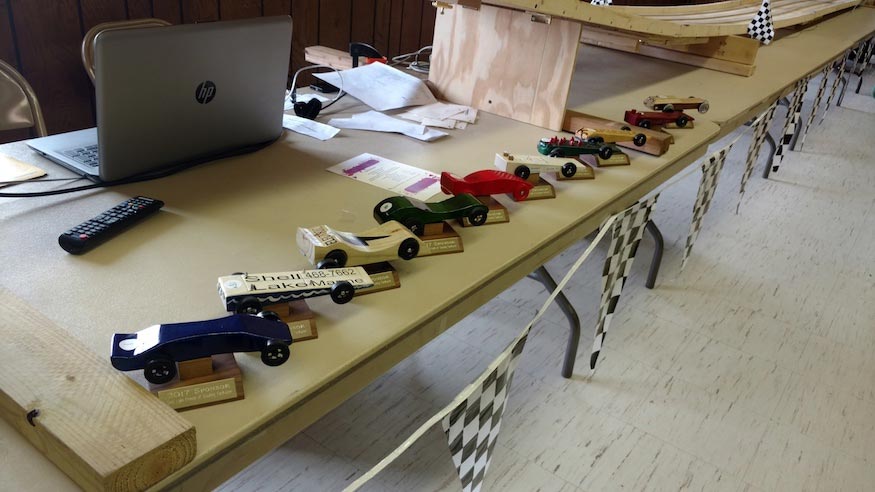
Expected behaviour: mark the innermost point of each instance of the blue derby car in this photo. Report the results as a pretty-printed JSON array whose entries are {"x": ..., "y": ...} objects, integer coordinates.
[{"x": 158, "y": 348}]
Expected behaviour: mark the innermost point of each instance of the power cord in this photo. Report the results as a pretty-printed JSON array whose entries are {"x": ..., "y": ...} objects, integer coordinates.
[{"x": 416, "y": 65}]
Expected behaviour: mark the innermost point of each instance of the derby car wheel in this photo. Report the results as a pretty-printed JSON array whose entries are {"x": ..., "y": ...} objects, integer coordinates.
[
  {"x": 606, "y": 152},
  {"x": 523, "y": 172},
  {"x": 336, "y": 257},
  {"x": 275, "y": 353},
  {"x": 557, "y": 153},
  {"x": 639, "y": 139},
  {"x": 269, "y": 315},
  {"x": 408, "y": 249},
  {"x": 668, "y": 108},
  {"x": 478, "y": 216},
  {"x": 521, "y": 194},
  {"x": 626, "y": 128},
  {"x": 704, "y": 107},
  {"x": 595, "y": 140},
  {"x": 342, "y": 292},
  {"x": 569, "y": 169},
  {"x": 644, "y": 123},
  {"x": 159, "y": 370},
  {"x": 682, "y": 121},
  {"x": 249, "y": 305},
  {"x": 415, "y": 225}
]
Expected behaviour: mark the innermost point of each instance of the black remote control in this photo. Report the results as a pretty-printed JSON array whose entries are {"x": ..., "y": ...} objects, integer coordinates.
[{"x": 90, "y": 233}]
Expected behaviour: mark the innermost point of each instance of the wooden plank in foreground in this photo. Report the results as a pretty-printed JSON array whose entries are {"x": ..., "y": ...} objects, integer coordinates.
[{"x": 97, "y": 425}]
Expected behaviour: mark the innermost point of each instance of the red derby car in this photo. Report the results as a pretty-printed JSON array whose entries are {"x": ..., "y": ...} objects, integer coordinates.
[
  {"x": 650, "y": 118},
  {"x": 486, "y": 182}
]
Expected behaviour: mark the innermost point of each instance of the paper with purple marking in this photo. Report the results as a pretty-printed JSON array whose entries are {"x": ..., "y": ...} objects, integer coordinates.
[{"x": 390, "y": 175}]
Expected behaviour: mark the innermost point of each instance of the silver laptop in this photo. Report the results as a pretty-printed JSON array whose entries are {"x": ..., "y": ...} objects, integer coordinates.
[{"x": 167, "y": 96}]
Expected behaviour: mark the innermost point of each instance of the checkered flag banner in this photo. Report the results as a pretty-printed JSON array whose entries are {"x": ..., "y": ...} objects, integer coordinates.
[
  {"x": 760, "y": 129},
  {"x": 835, "y": 83},
  {"x": 602, "y": 2},
  {"x": 472, "y": 426},
  {"x": 794, "y": 112},
  {"x": 707, "y": 185},
  {"x": 472, "y": 420},
  {"x": 864, "y": 52},
  {"x": 817, "y": 99},
  {"x": 761, "y": 27},
  {"x": 625, "y": 236}
]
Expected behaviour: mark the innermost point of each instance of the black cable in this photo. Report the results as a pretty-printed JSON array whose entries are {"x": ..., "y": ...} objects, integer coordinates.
[
  {"x": 338, "y": 98},
  {"x": 140, "y": 177}
]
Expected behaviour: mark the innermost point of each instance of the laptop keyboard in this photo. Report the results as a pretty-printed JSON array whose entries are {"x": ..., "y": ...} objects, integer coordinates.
[{"x": 83, "y": 155}]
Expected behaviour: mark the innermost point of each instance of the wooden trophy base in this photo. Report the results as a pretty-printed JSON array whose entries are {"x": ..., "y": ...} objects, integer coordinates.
[
  {"x": 584, "y": 171},
  {"x": 497, "y": 212},
  {"x": 440, "y": 239},
  {"x": 383, "y": 275},
  {"x": 202, "y": 382},
  {"x": 541, "y": 189},
  {"x": 299, "y": 317},
  {"x": 617, "y": 159}
]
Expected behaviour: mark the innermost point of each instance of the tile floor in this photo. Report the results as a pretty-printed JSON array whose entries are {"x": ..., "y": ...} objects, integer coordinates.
[{"x": 751, "y": 370}]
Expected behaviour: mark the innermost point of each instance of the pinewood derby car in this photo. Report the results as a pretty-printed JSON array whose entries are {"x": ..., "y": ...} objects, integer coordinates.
[
  {"x": 329, "y": 248},
  {"x": 624, "y": 134},
  {"x": 249, "y": 292},
  {"x": 674, "y": 103},
  {"x": 414, "y": 214},
  {"x": 486, "y": 182},
  {"x": 524, "y": 165},
  {"x": 158, "y": 348},
  {"x": 572, "y": 147},
  {"x": 649, "y": 118}
]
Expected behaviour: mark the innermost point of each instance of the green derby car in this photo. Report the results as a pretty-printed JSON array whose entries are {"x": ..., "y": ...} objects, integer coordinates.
[
  {"x": 574, "y": 146},
  {"x": 414, "y": 214}
]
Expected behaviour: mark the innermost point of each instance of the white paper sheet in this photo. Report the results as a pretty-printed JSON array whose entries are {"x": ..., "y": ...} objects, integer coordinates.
[
  {"x": 309, "y": 127},
  {"x": 381, "y": 87},
  {"x": 390, "y": 175},
  {"x": 378, "y": 122},
  {"x": 442, "y": 115}
]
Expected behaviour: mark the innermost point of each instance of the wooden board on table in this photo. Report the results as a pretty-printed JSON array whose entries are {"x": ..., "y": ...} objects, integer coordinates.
[
  {"x": 501, "y": 61},
  {"x": 657, "y": 142},
  {"x": 730, "y": 54},
  {"x": 97, "y": 425},
  {"x": 683, "y": 21}
]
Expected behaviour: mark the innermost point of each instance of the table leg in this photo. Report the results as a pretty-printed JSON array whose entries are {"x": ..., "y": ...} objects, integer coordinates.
[
  {"x": 658, "y": 246},
  {"x": 543, "y": 276},
  {"x": 774, "y": 146}
]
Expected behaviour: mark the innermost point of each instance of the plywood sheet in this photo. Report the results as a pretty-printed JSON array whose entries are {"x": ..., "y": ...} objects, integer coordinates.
[{"x": 501, "y": 61}]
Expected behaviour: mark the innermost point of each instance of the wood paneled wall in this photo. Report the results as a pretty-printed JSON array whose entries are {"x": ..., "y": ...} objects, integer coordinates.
[{"x": 42, "y": 38}]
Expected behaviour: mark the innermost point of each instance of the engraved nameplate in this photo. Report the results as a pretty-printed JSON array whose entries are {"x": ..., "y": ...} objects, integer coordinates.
[{"x": 199, "y": 394}]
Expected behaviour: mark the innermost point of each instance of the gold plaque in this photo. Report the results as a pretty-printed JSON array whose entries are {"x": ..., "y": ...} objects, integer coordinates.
[
  {"x": 199, "y": 394},
  {"x": 617, "y": 159}
]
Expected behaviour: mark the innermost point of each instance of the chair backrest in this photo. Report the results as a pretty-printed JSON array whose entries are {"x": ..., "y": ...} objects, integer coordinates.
[
  {"x": 88, "y": 41},
  {"x": 19, "y": 107}
]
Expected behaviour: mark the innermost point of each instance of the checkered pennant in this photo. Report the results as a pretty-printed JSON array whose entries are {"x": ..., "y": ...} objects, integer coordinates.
[
  {"x": 625, "y": 236},
  {"x": 761, "y": 27},
  {"x": 864, "y": 52},
  {"x": 707, "y": 185},
  {"x": 602, "y": 2},
  {"x": 472, "y": 426},
  {"x": 842, "y": 63},
  {"x": 794, "y": 112},
  {"x": 760, "y": 130},
  {"x": 820, "y": 90}
]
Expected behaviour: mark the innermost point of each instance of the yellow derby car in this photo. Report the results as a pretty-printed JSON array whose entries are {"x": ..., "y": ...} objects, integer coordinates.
[
  {"x": 675, "y": 103},
  {"x": 612, "y": 135},
  {"x": 329, "y": 248}
]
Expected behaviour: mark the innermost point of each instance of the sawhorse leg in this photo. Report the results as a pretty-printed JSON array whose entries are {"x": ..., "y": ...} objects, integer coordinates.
[{"x": 543, "y": 276}]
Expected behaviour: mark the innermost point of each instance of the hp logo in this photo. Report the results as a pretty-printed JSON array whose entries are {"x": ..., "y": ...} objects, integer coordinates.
[{"x": 205, "y": 92}]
